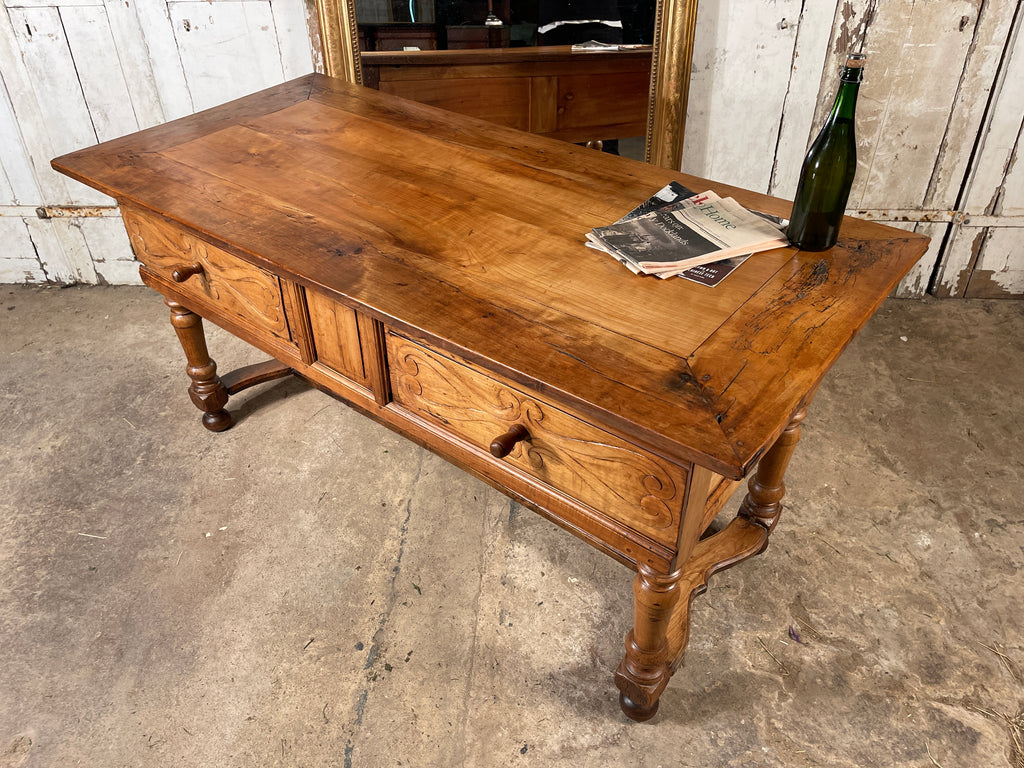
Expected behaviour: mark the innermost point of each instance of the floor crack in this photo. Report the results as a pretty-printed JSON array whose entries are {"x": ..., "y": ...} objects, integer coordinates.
[
  {"x": 392, "y": 600},
  {"x": 464, "y": 717}
]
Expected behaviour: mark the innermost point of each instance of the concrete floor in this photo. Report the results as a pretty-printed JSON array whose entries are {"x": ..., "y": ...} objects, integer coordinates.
[{"x": 310, "y": 589}]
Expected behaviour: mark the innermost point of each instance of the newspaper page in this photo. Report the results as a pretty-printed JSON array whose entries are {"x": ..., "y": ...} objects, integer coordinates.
[
  {"x": 710, "y": 274},
  {"x": 696, "y": 230},
  {"x": 715, "y": 272}
]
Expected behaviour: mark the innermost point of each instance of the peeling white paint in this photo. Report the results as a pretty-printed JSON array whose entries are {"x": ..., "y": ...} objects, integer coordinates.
[{"x": 999, "y": 268}]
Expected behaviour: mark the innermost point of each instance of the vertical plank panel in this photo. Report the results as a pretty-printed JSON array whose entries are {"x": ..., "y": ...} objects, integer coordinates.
[
  {"x": 118, "y": 272},
  {"x": 543, "y": 104},
  {"x": 62, "y": 250},
  {"x": 849, "y": 31},
  {"x": 133, "y": 57},
  {"x": 17, "y": 182},
  {"x": 111, "y": 252},
  {"x": 293, "y": 37},
  {"x": 742, "y": 58},
  {"x": 698, "y": 103},
  {"x": 6, "y": 189},
  {"x": 44, "y": 49},
  {"x": 802, "y": 96},
  {"x": 962, "y": 252},
  {"x": 930, "y": 69},
  {"x": 18, "y": 261},
  {"x": 999, "y": 269},
  {"x": 64, "y": 116},
  {"x": 916, "y": 54},
  {"x": 1011, "y": 196},
  {"x": 106, "y": 93},
  {"x": 168, "y": 74},
  {"x": 265, "y": 57},
  {"x": 915, "y": 284},
  {"x": 994, "y": 189},
  {"x": 28, "y": 116},
  {"x": 228, "y": 49},
  {"x": 991, "y": 28},
  {"x": 998, "y": 150}
]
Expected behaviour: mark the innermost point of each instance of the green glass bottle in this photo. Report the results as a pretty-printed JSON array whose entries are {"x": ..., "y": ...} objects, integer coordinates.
[{"x": 828, "y": 170}]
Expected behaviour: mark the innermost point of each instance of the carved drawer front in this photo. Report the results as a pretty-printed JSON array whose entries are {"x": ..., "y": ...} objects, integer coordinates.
[
  {"x": 336, "y": 336},
  {"x": 592, "y": 466},
  {"x": 212, "y": 276}
]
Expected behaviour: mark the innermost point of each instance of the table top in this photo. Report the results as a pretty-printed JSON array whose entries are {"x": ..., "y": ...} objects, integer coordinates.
[{"x": 471, "y": 236}]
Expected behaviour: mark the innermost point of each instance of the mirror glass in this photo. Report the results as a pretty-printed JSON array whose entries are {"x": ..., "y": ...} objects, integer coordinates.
[
  {"x": 674, "y": 26},
  {"x": 396, "y": 25}
]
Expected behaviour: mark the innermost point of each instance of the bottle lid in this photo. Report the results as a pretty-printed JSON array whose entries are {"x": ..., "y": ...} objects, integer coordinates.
[{"x": 855, "y": 60}]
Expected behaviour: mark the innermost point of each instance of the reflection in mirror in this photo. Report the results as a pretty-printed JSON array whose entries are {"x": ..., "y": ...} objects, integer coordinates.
[
  {"x": 384, "y": 11},
  {"x": 395, "y": 25},
  {"x": 672, "y": 36}
]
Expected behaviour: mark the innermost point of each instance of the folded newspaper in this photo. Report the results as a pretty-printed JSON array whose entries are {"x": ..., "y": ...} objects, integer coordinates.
[{"x": 676, "y": 231}]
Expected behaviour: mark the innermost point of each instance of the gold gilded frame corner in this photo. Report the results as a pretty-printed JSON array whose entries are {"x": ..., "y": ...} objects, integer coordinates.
[
  {"x": 339, "y": 38},
  {"x": 675, "y": 22},
  {"x": 674, "y": 25}
]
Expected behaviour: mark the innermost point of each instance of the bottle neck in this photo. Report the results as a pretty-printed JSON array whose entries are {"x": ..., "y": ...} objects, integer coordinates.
[{"x": 846, "y": 99}]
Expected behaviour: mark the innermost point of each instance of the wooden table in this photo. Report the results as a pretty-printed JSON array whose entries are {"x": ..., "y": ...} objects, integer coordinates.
[{"x": 429, "y": 270}]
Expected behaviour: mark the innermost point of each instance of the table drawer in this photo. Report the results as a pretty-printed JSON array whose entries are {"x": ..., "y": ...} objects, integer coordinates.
[
  {"x": 607, "y": 474},
  {"x": 218, "y": 279}
]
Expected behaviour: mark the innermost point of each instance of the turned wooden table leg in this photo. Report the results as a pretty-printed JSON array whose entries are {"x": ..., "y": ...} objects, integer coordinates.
[
  {"x": 661, "y": 609},
  {"x": 766, "y": 487},
  {"x": 207, "y": 391},
  {"x": 646, "y": 668}
]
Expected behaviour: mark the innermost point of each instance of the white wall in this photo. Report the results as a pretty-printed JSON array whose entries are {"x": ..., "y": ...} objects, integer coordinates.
[
  {"x": 939, "y": 118},
  {"x": 77, "y": 72}
]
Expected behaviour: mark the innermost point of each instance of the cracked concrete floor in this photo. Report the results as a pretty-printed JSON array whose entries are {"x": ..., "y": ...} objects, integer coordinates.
[{"x": 310, "y": 589}]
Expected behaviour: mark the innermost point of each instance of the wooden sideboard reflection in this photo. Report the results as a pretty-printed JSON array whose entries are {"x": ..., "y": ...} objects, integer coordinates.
[
  {"x": 551, "y": 91},
  {"x": 429, "y": 270}
]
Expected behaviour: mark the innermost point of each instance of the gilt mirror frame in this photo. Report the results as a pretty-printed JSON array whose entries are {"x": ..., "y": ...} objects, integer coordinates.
[{"x": 674, "y": 25}]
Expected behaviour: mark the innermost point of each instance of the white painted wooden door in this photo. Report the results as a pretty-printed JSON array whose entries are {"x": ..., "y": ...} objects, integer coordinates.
[
  {"x": 77, "y": 72},
  {"x": 984, "y": 253}
]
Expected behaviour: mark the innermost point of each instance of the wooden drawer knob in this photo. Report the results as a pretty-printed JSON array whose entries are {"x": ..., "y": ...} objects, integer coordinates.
[
  {"x": 183, "y": 272},
  {"x": 502, "y": 445}
]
